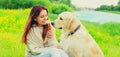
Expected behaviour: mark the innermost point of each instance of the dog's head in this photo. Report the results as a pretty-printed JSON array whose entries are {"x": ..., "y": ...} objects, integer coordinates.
[{"x": 65, "y": 20}]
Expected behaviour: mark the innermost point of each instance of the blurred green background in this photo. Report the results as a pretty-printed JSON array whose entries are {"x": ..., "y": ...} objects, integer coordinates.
[{"x": 14, "y": 13}]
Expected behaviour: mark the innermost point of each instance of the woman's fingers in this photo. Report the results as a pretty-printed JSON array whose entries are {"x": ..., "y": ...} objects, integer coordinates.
[{"x": 49, "y": 34}]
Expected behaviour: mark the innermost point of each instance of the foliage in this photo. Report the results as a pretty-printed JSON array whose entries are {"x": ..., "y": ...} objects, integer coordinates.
[
  {"x": 105, "y": 7},
  {"x": 117, "y": 7},
  {"x": 110, "y": 8},
  {"x": 15, "y": 4},
  {"x": 50, "y": 4},
  {"x": 67, "y": 2},
  {"x": 60, "y": 8},
  {"x": 119, "y": 2}
]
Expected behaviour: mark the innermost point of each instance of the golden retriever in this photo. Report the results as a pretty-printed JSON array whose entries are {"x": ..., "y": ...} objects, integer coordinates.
[{"x": 75, "y": 39}]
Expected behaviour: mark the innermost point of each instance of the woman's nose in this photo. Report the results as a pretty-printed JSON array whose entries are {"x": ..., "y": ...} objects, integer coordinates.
[{"x": 45, "y": 18}]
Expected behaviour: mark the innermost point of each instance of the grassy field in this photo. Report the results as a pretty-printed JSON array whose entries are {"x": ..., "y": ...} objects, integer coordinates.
[{"x": 12, "y": 23}]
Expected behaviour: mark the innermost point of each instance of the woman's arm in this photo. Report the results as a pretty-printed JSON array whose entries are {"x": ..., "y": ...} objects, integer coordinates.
[
  {"x": 53, "y": 41},
  {"x": 34, "y": 48},
  {"x": 34, "y": 41}
]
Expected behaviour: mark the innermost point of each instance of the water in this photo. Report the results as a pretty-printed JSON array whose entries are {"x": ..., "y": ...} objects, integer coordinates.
[{"x": 96, "y": 16}]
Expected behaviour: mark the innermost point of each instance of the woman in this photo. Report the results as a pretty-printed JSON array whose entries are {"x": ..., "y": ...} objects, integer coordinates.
[{"x": 39, "y": 35}]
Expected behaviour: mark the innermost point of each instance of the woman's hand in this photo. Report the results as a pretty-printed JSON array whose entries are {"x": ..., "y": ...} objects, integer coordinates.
[{"x": 49, "y": 34}]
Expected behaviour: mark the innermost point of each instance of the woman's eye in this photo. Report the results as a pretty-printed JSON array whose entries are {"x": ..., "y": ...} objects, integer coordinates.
[
  {"x": 41, "y": 16},
  {"x": 46, "y": 15},
  {"x": 61, "y": 18}
]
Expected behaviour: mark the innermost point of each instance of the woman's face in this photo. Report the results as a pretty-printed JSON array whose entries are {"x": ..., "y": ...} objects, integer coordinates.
[{"x": 42, "y": 18}]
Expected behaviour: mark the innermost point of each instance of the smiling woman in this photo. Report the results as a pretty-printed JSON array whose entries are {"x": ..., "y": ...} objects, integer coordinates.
[{"x": 39, "y": 36}]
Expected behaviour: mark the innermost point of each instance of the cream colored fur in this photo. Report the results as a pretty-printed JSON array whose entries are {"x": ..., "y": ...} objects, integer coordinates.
[{"x": 79, "y": 44}]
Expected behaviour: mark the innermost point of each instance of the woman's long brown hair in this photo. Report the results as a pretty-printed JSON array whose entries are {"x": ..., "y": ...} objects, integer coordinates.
[{"x": 33, "y": 14}]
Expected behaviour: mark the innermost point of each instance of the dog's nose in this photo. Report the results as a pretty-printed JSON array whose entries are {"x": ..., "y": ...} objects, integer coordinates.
[{"x": 52, "y": 24}]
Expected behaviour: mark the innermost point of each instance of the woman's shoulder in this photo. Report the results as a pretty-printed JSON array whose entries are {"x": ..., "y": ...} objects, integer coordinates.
[
  {"x": 34, "y": 28},
  {"x": 34, "y": 25}
]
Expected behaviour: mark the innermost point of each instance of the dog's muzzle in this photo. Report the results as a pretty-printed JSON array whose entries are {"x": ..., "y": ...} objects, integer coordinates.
[
  {"x": 60, "y": 28},
  {"x": 52, "y": 24}
]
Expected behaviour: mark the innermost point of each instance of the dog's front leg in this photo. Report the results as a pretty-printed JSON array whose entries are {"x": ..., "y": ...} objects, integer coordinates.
[{"x": 75, "y": 52}]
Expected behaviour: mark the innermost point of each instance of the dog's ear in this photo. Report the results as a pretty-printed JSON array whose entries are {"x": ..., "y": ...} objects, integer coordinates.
[{"x": 71, "y": 24}]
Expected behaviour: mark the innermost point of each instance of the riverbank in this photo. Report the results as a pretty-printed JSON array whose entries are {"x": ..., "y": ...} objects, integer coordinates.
[{"x": 115, "y": 12}]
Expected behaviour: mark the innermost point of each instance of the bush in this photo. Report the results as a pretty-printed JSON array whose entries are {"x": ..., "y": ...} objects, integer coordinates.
[
  {"x": 45, "y": 3},
  {"x": 110, "y": 8},
  {"x": 117, "y": 7},
  {"x": 15, "y": 4},
  {"x": 52, "y": 7},
  {"x": 56, "y": 9}
]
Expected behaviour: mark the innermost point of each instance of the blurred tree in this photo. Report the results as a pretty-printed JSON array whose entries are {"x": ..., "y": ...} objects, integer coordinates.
[
  {"x": 60, "y": 8},
  {"x": 110, "y": 8},
  {"x": 119, "y": 2},
  {"x": 54, "y": 6},
  {"x": 117, "y": 7},
  {"x": 10, "y": 4},
  {"x": 102, "y": 7},
  {"x": 67, "y": 2}
]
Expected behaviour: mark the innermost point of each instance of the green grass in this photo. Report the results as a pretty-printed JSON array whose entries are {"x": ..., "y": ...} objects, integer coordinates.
[
  {"x": 12, "y": 24},
  {"x": 107, "y": 36}
]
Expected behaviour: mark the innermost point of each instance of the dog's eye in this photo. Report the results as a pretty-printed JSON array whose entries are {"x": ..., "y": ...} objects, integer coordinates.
[{"x": 61, "y": 18}]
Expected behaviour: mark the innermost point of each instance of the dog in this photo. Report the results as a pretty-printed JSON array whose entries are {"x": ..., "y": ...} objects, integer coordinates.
[{"x": 75, "y": 39}]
